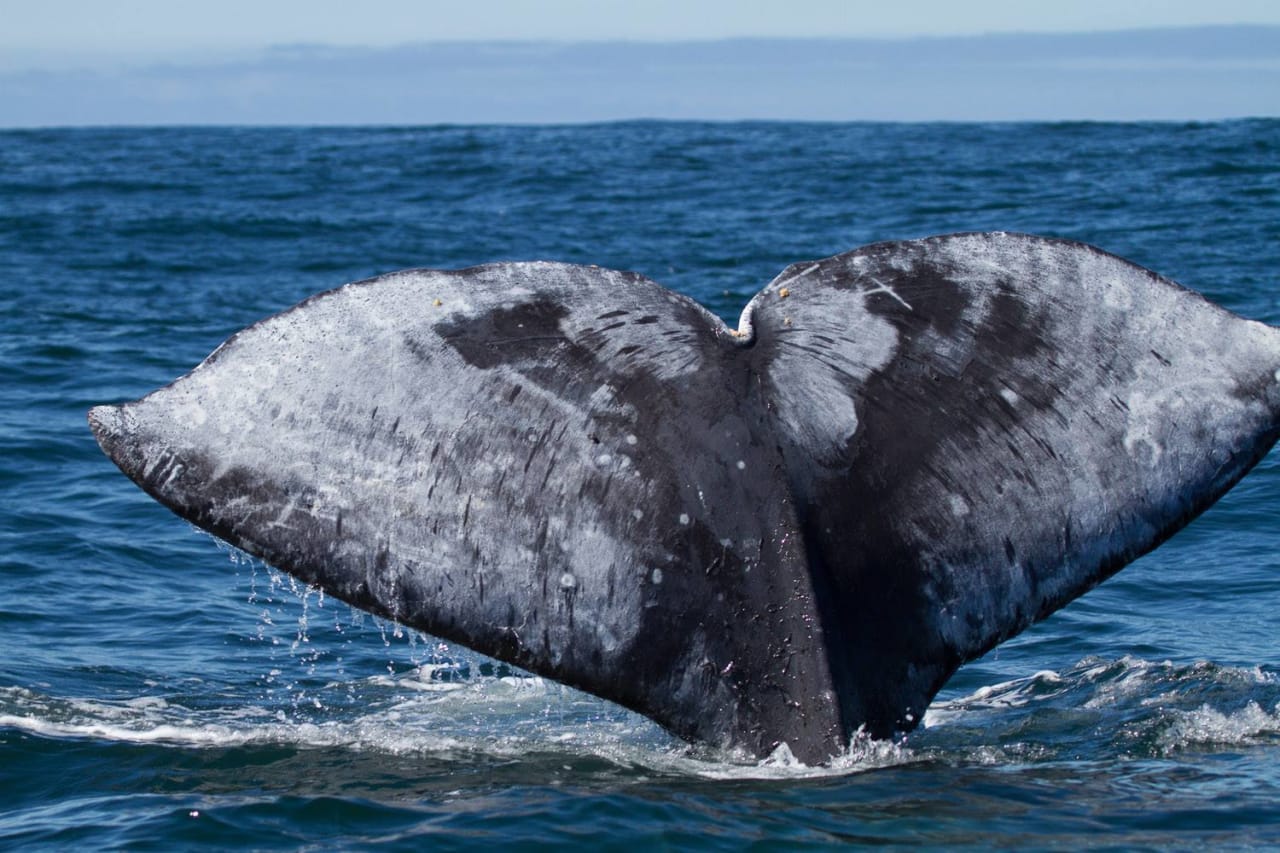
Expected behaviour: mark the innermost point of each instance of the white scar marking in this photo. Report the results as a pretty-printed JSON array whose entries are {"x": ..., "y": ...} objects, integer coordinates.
[
  {"x": 778, "y": 285},
  {"x": 881, "y": 287}
]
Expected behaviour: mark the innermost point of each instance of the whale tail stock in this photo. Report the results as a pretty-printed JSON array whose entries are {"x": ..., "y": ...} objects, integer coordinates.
[{"x": 903, "y": 456}]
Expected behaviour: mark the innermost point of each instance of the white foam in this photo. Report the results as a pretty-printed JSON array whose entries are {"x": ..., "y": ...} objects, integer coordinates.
[
  {"x": 1006, "y": 694},
  {"x": 416, "y": 724},
  {"x": 507, "y": 717},
  {"x": 862, "y": 754},
  {"x": 1207, "y": 725}
]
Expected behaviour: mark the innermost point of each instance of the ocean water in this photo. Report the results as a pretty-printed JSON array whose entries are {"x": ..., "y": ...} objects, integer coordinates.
[{"x": 159, "y": 691}]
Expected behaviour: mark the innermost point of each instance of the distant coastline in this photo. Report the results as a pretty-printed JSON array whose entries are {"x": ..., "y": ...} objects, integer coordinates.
[{"x": 1193, "y": 73}]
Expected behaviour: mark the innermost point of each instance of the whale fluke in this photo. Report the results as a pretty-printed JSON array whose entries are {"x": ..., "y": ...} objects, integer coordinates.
[{"x": 904, "y": 455}]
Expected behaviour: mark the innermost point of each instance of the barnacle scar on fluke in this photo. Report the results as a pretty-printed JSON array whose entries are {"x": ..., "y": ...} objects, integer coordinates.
[{"x": 956, "y": 436}]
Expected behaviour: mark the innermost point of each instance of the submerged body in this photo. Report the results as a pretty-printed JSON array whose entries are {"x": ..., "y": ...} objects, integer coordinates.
[{"x": 781, "y": 533}]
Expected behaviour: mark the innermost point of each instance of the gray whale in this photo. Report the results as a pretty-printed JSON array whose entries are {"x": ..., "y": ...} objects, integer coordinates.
[{"x": 786, "y": 532}]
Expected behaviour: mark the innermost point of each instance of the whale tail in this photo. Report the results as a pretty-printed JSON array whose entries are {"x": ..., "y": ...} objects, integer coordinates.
[{"x": 905, "y": 455}]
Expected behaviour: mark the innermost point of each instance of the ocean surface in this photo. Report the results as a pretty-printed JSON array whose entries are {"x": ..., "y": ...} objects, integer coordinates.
[{"x": 159, "y": 691}]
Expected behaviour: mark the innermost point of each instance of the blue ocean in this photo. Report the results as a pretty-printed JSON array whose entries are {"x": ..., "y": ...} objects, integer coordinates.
[{"x": 159, "y": 691}]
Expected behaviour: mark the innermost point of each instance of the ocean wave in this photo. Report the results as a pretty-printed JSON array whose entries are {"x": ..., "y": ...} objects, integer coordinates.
[
  {"x": 1128, "y": 707},
  {"x": 448, "y": 711}
]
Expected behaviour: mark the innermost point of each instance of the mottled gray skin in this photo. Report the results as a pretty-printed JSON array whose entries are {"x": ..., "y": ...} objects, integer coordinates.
[{"x": 904, "y": 455}]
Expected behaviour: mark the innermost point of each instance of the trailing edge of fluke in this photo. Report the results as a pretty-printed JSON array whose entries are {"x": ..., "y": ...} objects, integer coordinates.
[{"x": 786, "y": 532}]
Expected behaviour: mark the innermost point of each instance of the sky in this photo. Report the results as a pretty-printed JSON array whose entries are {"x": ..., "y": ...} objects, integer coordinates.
[
  {"x": 64, "y": 30},
  {"x": 75, "y": 62}
]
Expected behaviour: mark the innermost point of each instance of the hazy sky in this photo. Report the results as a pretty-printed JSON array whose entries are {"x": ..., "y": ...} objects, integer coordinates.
[
  {"x": 58, "y": 30},
  {"x": 75, "y": 62}
]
